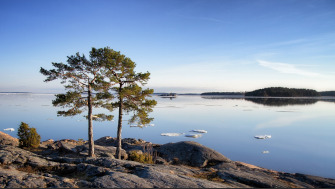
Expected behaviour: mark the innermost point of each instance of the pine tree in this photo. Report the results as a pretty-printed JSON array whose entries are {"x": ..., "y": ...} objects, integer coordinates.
[
  {"x": 125, "y": 83},
  {"x": 28, "y": 137},
  {"x": 80, "y": 77}
]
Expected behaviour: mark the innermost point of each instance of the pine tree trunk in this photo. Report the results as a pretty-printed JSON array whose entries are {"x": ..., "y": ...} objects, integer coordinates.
[
  {"x": 119, "y": 127},
  {"x": 90, "y": 124}
]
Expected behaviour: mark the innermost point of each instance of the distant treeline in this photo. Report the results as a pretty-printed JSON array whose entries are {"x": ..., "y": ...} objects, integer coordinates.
[
  {"x": 223, "y": 93},
  {"x": 283, "y": 92},
  {"x": 276, "y": 92},
  {"x": 16, "y": 92},
  {"x": 327, "y": 93}
]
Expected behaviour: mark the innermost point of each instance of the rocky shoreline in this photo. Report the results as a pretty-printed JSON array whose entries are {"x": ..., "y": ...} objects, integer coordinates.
[{"x": 64, "y": 164}]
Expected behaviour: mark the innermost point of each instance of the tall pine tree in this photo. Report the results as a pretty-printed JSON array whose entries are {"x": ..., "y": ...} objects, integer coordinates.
[
  {"x": 126, "y": 84},
  {"x": 81, "y": 78}
]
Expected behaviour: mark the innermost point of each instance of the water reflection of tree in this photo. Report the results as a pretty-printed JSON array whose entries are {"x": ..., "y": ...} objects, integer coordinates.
[{"x": 282, "y": 101}]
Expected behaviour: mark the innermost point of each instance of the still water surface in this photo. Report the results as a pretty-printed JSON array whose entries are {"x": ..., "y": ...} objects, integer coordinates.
[{"x": 302, "y": 130}]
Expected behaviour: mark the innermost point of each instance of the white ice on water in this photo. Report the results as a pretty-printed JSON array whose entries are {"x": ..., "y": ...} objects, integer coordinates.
[
  {"x": 262, "y": 136},
  {"x": 9, "y": 129},
  {"x": 172, "y": 134},
  {"x": 199, "y": 131}
]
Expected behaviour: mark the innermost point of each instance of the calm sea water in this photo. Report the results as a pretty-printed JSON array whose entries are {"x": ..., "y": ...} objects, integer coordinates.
[{"x": 302, "y": 130}]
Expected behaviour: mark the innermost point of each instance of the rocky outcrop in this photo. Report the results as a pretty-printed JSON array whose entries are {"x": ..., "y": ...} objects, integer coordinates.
[
  {"x": 74, "y": 148},
  {"x": 61, "y": 164},
  {"x": 20, "y": 168},
  {"x": 12, "y": 178},
  {"x": 128, "y": 144},
  {"x": 6, "y": 139},
  {"x": 191, "y": 153}
]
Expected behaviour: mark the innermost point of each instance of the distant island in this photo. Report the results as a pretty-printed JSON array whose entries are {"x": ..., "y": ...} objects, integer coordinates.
[
  {"x": 16, "y": 92},
  {"x": 274, "y": 92},
  {"x": 327, "y": 93},
  {"x": 283, "y": 92}
]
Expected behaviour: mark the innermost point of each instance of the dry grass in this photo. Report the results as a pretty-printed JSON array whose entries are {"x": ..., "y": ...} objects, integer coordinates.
[
  {"x": 210, "y": 175},
  {"x": 142, "y": 158}
]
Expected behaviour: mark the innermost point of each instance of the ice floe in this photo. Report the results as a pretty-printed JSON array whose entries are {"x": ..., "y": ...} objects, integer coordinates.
[
  {"x": 262, "y": 136},
  {"x": 172, "y": 134},
  {"x": 141, "y": 125},
  {"x": 9, "y": 129},
  {"x": 194, "y": 135},
  {"x": 199, "y": 131}
]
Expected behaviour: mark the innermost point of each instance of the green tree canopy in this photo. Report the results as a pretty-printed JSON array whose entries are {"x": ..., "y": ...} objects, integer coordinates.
[
  {"x": 81, "y": 78},
  {"x": 283, "y": 92},
  {"x": 28, "y": 137},
  {"x": 126, "y": 84}
]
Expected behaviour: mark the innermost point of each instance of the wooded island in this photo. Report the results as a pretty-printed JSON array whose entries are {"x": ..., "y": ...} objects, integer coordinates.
[{"x": 283, "y": 92}]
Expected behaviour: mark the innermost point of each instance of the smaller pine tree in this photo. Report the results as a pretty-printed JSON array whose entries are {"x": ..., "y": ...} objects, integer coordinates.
[{"x": 28, "y": 137}]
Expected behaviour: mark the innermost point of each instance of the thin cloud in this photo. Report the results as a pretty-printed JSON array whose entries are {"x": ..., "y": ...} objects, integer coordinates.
[
  {"x": 208, "y": 19},
  {"x": 290, "y": 42},
  {"x": 286, "y": 68}
]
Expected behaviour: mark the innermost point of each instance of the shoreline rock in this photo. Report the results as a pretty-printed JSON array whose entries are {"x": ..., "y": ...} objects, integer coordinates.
[
  {"x": 6, "y": 139},
  {"x": 64, "y": 164}
]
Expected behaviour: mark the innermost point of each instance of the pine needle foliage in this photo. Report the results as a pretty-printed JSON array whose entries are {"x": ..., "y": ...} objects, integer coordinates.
[
  {"x": 28, "y": 137},
  {"x": 81, "y": 77},
  {"x": 125, "y": 83}
]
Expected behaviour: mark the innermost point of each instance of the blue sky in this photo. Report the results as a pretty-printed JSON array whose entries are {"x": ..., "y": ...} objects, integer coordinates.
[{"x": 186, "y": 45}]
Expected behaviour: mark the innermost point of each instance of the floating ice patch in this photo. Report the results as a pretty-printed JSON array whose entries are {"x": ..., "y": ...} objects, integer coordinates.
[
  {"x": 137, "y": 125},
  {"x": 198, "y": 131},
  {"x": 141, "y": 125},
  {"x": 194, "y": 135},
  {"x": 9, "y": 129},
  {"x": 262, "y": 136},
  {"x": 172, "y": 134}
]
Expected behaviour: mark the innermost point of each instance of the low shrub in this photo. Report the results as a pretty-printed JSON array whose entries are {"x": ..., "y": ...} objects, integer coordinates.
[
  {"x": 28, "y": 137},
  {"x": 141, "y": 157}
]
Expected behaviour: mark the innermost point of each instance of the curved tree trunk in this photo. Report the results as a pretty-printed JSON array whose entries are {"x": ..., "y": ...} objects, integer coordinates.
[
  {"x": 119, "y": 127},
  {"x": 90, "y": 124}
]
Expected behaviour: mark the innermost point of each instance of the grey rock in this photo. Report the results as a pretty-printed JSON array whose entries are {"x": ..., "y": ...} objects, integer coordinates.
[
  {"x": 225, "y": 165},
  {"x": 46, "y": 143},
  {"x": 169, "y": 179},
  {"x": 121, "y": 180},
  {"x": 92, "y": 170},
  {"x": 14, "y": 155},
  {"x": 105, "y": 141},
  {"x": 128, "y": 144},
  {"x": 307, "y": 181},
  {"x": 160, "y": 160},
  {"x": 11, "y": 178},
  {"x": 253, "y": 179},
  {"x": 66, "y": 147},
  {"x": 101, "y": 151},
  {"x": 191, "y": 153},
  {"x": 110, "y": 141},
  {"x": 6, "y": 139},
  {"x": 22, "y": 168}
]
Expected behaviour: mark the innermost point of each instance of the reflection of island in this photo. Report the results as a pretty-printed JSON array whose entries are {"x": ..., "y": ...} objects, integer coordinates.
[
  {"x": 168, "y": 95},
  {"x": 273, "y": 101},
  {"x": 282, "y": 101}
]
